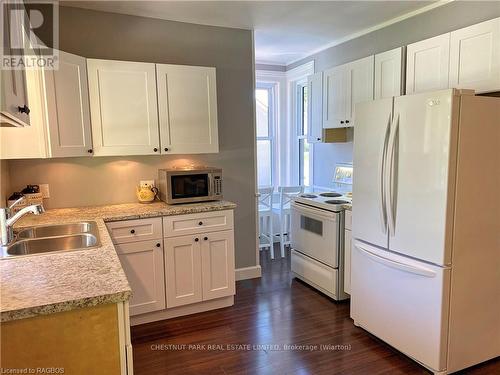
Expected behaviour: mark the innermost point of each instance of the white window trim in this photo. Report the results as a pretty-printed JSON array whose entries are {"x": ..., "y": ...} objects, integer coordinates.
[
  {"x": 278, "y": 79},
  {"x": 299, "y": 113},
  {"x": 295, "y": 77}
]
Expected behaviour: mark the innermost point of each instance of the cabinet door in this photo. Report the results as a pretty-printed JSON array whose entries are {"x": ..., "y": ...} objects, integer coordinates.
[
  {"x": 217, "y": 260},
  {"x": 183, "y": 270},
  {"x": 143, "y": 264},
  {"x": 68, "y": 108},
  {"x": 427, "y": 64},
  {"x": 359, "y": 85},
  {"x": 123, "y": 107},
  {"x": 187, "y": 100},
  {"x": 388, "y": 73},
  {"x": 475, "y": 57},
  {"x": 13, "y": 81},
  {"x": 334, "y": 95},
  {"x": 315, "y": 109},
  {"x": 347, "y": 261}
]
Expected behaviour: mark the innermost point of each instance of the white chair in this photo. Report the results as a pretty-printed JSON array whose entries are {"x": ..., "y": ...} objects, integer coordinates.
[
  {"x": 286, "y": 195},
  {"x": 266, "y": 219}
]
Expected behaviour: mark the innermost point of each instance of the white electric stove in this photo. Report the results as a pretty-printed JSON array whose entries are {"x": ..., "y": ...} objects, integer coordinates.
[{"x": 317, "y": 236}]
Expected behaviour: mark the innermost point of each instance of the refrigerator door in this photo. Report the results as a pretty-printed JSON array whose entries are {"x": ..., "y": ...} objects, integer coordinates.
[
  {"x": 371, "y": 136},
  {"x": 421, "y": 174},
  {"x": 402, "y": 301}
]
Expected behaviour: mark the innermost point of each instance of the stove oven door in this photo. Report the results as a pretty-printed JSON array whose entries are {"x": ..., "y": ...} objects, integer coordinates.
[{"x": 315, "y": 233}]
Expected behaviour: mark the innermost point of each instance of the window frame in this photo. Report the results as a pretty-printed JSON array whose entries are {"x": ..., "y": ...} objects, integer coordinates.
[
  {"x": 271, "y": 87},
  {"x": 302, "y": 132}
]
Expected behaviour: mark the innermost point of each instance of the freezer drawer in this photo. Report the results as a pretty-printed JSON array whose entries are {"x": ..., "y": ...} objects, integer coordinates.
[{"x": 402, "y": 301}]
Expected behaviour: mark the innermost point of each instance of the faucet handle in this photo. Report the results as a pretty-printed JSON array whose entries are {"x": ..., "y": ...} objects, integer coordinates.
[{"x": 16, "y": 202}]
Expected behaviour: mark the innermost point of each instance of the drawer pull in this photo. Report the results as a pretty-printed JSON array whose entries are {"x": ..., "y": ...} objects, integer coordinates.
[
  {"x": 158, "y": 244},
  {"x": 196, "y": 239},
  {"x": 205, "y": 238},
  {"x": 132, "y": 231},
  {"x": 200, "y": 223}
]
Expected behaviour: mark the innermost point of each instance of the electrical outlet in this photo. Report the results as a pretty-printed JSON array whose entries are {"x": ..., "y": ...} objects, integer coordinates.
[
  {"x": 147, "y": 183},
  {"x": 44, "y": 189}
]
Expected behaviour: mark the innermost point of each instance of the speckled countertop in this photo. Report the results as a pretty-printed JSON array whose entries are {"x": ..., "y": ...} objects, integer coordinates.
[
  {"x": 54, "y": 282},
  {"x": 347, "y": 206}
]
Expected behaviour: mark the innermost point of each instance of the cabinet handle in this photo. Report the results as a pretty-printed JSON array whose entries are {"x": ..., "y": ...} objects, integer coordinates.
[
  {"x": 346, "y": 121},
  {"x": 341, "y": 122},
  {"x": 24, "y": 109},
  {"x": 318, "y": 139},
  {"x": 155, "y": 149},
  {"x": 200, "y": 223},
  {"x": 196, "y": 239},
  {"x": 158, "y": 244},
  {"x": 90, "y": 151},
  {"x": 132, "y": 231},
  {"x": 166, "y": 148},
  {"x": 205, "y": 238}
]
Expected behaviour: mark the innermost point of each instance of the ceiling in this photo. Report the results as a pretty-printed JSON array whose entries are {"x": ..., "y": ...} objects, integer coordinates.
[{"x": 285, "y": 31}]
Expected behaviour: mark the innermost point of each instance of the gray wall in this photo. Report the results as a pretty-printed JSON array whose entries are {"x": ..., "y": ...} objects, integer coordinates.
[
  {"x": 446, "y": 18},
  {"x": 90, "y": 181}
]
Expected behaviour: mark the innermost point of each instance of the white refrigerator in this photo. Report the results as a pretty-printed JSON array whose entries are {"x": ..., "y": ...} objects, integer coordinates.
[{"x": 426, "y": 226}]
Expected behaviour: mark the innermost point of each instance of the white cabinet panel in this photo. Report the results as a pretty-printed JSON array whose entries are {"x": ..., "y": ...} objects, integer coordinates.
[
  {"x": 183, "y": 270},
  {"x": 123, "y": 107},
  {"x": 181, "y": 225},
  {"x": 143, "y": 264},
  {"x": 68, "y": 108},
  {"x": 427, "y": 64},
  {"x": 475, "y": 57},
  {"x": 359, "y": 85},
  {"x": 187, "y": 100},
  {"x": 217, "y": 259},
  {"x": 334, "y": 97},
  {"x": 347, "y": 261},
  {"x": 14, "y": 92},
  {"x": 388, "y": 73},
  {"x": 315, "y": 108},
  {"x": 135, "y": 230}
]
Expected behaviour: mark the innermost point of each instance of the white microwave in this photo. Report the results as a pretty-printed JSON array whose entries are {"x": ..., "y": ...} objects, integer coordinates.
[{"x": 190, "y": 185}]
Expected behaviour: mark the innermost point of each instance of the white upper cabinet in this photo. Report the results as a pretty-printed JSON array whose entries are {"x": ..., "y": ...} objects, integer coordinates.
[
  {"x": 334, "y": 95},
  {"x": 343, "y": 87},
  {"x": 68, "y": 108},
  {"x": 315, "y": 108},
  {"x": 475, "y": 57},
  {"x": 123, "y": 107},
  {"x": 388, "y": 73},
  {"x": 359, "y": 85},
  {"x": 187, "y": 104},
  {"x": 14, "y": 95},
  {"x": 427, "y": 64}
]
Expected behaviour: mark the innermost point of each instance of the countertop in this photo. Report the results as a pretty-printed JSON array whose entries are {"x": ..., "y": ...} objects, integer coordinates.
[{"x": 55, "y": 282}]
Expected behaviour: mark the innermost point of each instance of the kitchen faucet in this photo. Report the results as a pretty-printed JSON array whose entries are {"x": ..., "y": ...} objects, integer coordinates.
[{"x": 7, "y": 220}]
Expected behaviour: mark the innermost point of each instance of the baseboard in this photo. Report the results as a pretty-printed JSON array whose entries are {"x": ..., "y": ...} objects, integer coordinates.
[{"x": 248, "y": 273}]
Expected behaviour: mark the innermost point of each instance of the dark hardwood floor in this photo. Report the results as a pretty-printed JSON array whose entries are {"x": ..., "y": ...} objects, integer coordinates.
[{"x": 273, "y": 310}]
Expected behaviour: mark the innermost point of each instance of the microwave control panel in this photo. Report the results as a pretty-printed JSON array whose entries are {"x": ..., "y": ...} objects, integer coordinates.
[{"x": 217, "y": 185}]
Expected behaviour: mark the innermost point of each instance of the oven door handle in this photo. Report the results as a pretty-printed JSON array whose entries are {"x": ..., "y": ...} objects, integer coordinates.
[{"x": 314, "y": 212}]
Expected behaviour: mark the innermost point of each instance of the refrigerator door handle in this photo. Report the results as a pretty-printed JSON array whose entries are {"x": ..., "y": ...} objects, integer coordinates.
[
  {"x": 382, "y": 169},
  {"x": 422, "y": 271},
  {"x": 391, "y": 177}
]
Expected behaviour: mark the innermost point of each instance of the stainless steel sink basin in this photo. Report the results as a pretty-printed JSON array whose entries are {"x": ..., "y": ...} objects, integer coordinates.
[
  {"x": 57, "y": 230},
  {"x": 51, "y": 244},
  {"x": 52, "y": 238}
]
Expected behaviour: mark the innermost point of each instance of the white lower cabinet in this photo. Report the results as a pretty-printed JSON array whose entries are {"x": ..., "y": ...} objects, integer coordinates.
[
  {"x": 347, "y": 251},
  {"x": 143, "y": 264},
  {"x": 183, "y": 270},
  {"x": 176, "y": 270},
  {"x": 217, "y": 265}
]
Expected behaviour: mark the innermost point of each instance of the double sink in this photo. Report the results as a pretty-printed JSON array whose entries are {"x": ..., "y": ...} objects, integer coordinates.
[{"x": 51, "y": 238}]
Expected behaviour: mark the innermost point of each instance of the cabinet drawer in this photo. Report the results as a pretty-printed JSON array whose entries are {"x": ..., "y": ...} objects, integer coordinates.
[
  {"x": 135, "y": 230},
  {"x": 348, "y": 219},
  {"x": 180, "y": 225}
]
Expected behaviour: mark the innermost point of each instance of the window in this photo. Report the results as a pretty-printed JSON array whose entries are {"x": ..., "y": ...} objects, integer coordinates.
[
  {"x": 265, "y": 118},
  {"x": 305, "y": 149}
]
